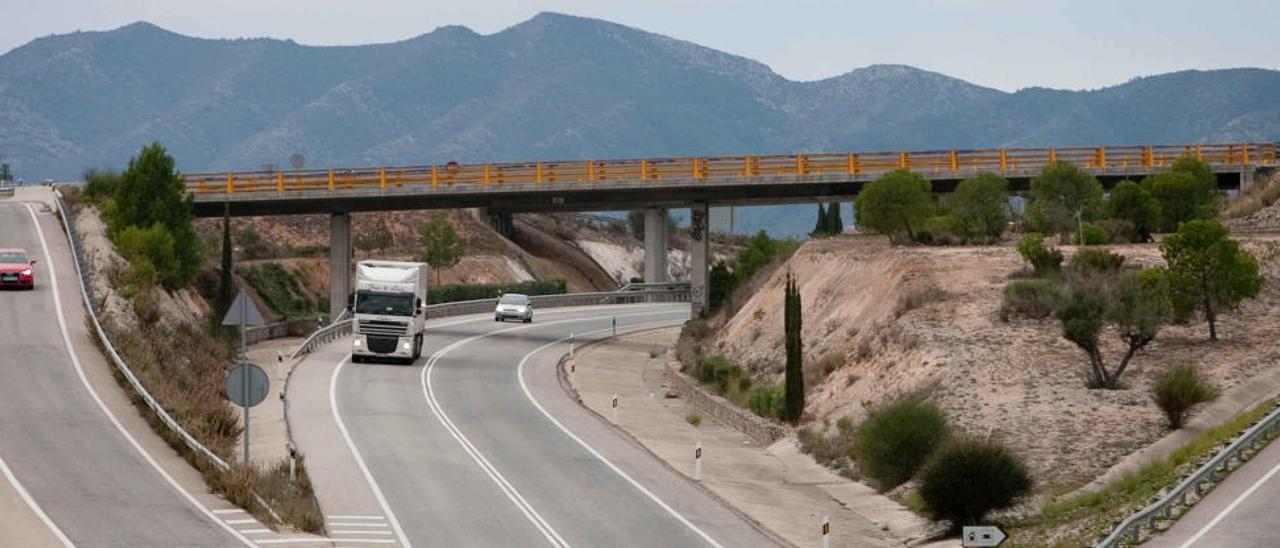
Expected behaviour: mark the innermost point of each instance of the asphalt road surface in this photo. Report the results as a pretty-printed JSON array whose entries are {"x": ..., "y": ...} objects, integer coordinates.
[
  {"x": 477, "y": 445},
  {"x": 56, "y": 441},
  {"x": 1240, "y": 512}
]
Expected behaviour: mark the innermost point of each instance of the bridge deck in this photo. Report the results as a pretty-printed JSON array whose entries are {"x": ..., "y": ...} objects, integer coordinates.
[{"x": 623, "y": 184}]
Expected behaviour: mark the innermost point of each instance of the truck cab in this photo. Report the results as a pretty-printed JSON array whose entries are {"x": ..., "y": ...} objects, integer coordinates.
[{"x": 389, "y": 311}]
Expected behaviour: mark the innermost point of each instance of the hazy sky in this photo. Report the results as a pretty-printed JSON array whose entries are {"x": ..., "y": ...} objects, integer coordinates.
[{"x": 1006, "y": 44}]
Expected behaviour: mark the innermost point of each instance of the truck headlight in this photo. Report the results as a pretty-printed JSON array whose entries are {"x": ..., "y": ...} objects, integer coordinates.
[
  {"x": 405, "y": 345},
  {"x": 357, "y": 343}
]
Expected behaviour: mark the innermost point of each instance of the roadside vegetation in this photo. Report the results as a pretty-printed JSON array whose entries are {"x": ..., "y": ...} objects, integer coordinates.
[{"x": 182, "y": 364}]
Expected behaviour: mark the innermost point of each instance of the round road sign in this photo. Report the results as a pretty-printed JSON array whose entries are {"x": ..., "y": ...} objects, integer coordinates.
[{"x": 247, "y": 385}]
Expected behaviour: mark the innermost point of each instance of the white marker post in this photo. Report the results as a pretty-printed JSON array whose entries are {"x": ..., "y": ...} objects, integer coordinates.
[
  {"x": 293, "y": 462},
  {"x": 826, "y": 531},
  {"x": 573, "y": 371},
  {"x": 697, "y": 462},
  {"x": 615, "y": 407},
  {"x": 571, "y": 346}
]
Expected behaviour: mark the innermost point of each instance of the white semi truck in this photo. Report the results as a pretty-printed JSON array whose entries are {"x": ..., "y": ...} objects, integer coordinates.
[{"x": 389, "y": 311}]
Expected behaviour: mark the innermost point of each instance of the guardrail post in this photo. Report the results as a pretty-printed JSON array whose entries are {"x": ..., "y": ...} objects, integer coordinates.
[
  {"x": 853, "y": 164},
  {"x": 382, "y": 177},
  {"x": 1004, "y": 160},
  {"x": 1101, "y": 157},
  {"x": 435, "y": 175},
  {"x": 485, "y": 180},
  {"x": 800, "y": 169},
  {"x": 953, "y": 160},
  {"x": 331, "y": 181},
  {"x": 1244, "y": 154},
  {"x": 280, "y": 181},
  {"x": 537, "y": 172},
  {"x": 1053, "y": 155},
  {"x": 902, "y": 159},
  {"x": 591, "y": 171},
  {"x": 231, "y": 186},
  {"x": 696, "y": 171},
  {"x": 1148, "y": 156}
]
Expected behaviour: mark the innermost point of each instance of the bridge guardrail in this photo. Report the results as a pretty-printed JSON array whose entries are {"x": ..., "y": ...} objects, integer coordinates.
[
  {"x": 1131, "y": 529},
  {"x": 628, "y": 294},
  {"x": 91, "y": 304},
  {"x": 959, "y": 162}
]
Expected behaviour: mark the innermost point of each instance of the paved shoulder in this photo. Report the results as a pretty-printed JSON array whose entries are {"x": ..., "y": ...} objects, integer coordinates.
[{"x": 1241, "y": 511}]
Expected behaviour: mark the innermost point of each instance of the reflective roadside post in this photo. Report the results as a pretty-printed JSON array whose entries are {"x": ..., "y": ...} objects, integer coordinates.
[
  {"x": 826, "y": 531},
  {"x": 615, "y": 407},
  {"x": 697, "y": 462}
]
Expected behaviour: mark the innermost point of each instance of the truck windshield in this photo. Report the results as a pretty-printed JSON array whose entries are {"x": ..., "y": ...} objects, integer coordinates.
[{"x": 387, "y": 304}]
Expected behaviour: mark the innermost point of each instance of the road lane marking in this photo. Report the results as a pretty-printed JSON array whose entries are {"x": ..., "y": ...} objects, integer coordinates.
[
  {"x": 353, "y": 532},
  {"x": 1275, "y": 469},
  {"x": 525, "y": 387},
  {"x": 242, "y": 521},
  {"x": 75, "y": 361},
  {"x": 372, "y": 525},
  {"x": 364, "y": 469},
  {"x": 322, "y": 540},
  {"x": 229, "y": 511},
  {"x": 35, "y": 507},
  {"x": 382, "y": 518},
  {"x": 255, "y": 531},
  {"x": 471, "y": 450}
]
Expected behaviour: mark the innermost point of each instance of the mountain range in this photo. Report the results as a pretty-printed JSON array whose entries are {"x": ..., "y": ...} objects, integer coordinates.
[{"x": 553, "y": 87}]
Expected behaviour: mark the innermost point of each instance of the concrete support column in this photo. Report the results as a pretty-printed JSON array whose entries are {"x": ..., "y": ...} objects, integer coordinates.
[
  {"x": 655, "y": 245},
  {"x": 339, "y": 263},
  {"x": 1246, "y": 177},
  {"x": 700, "y": 257}
]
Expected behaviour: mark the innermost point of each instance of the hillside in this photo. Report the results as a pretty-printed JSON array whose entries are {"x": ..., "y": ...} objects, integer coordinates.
[
  {"x": 889, "y": 321},
  {"x": 553, "y": 87}
]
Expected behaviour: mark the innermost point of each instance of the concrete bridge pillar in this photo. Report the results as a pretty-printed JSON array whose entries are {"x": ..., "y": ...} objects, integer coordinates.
[
  {"x": 700, "y": 257},
  {"x": 655, "y": 245},
  {"x": 339, "y": 263}
]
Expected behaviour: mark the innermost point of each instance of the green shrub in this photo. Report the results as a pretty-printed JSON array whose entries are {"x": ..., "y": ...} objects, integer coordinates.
[
  {"x": 723, "y": 375},
  {"x": 100, "y": 185},
  {"x": 1044, "y": 261},
  {"x": 1180, "y": 389},
  {"x": 896, "y": 440},
  {"x": 1036, "y": 299},
  {"x": 469, "y": 292},
  {"x": 693, "y": 419},
  {"x": 1121, "y": 231},
  {"x": 967, "y": 479},
  {"x": 767, "y": 400},
  {"x": 1093, "y": 235},
  {"x": 279, "y": 289},
  {"x": 155, "y": 245},
  {"x": 1095, "y": 262}
]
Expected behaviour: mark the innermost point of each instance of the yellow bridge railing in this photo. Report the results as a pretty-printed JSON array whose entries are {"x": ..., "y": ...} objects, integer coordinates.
[{"x": 938, "y": 162}]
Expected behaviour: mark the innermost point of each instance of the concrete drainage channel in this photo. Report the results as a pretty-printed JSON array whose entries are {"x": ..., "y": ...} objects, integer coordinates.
[{"x": 1193, "y": 487}]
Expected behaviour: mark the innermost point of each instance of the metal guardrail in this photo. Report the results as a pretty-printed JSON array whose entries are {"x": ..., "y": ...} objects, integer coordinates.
[
  {"x": 956, "y": 162},
  {"x": 628, "y": 294},
  {"x": 1130, "y": 531},
  {"x": 86, "y": 290}
]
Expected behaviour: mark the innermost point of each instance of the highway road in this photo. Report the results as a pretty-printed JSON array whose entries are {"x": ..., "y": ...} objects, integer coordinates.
[
  {"x": 82, "y": 478},
  {"x": 1240, "y": 512},
  {"x": 477, "y": 445}
]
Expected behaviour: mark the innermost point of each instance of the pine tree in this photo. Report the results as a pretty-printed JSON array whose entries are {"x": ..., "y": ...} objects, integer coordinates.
[
  {"x": 820, "y": 227},
  {"x": 794, "y": 380}
]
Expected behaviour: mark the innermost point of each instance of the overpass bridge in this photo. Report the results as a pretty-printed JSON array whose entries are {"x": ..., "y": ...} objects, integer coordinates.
[{"x": 655, "y": 184}]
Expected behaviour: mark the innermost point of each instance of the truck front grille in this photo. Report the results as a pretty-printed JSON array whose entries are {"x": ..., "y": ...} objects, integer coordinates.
[
  {"x": 382, "y": 345},
  {"x": 382, "y": 327}
]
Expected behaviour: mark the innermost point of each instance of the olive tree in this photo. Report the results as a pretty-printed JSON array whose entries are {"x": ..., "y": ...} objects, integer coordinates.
[
  {"x": 441, "y": 245},
  {"x": 980, "y": 207},
  {"x": 1130, "y": 202},
  {"x": 1135, "y": 303}
]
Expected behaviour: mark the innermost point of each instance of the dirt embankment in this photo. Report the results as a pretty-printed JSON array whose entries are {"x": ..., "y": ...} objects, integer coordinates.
[{"x": 887, "y": 321}]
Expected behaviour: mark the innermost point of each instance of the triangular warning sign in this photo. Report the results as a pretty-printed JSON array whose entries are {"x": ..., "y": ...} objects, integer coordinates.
[{"x": 243, "y": 310}]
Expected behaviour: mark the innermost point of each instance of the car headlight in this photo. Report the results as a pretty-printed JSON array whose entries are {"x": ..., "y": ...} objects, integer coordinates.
[
  {"x": 357, "y": 343},
  {"x": 26, "y": 272},
  {"x": 405, "y": 345}
]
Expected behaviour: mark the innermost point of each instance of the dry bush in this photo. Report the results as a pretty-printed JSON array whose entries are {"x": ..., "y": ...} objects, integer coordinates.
[
  {"x": 1251, "y": 201},
  {"x": 919, "y": 296},
  {"x": 815, "y": 371}
]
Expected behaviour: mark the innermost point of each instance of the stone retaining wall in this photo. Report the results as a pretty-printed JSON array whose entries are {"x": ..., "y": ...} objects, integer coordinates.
[{"x": 759, "y": 429}]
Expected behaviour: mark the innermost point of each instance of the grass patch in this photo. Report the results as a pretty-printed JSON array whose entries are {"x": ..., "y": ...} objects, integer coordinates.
[
  {"x": 693, "y": 419},
  {"x": 1084, "y": 518},
  {"x": 919, "y": 296},
  {"x": 280, "y": 289}
]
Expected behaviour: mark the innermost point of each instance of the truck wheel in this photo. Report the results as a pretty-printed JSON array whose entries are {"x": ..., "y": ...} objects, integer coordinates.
[{"x": 417, "y": 347}]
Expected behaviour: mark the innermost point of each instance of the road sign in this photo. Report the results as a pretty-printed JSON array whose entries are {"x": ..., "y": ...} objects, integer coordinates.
[
  {"x": 243, "y": 312},
  {"x": 247, "y": 385},
  {"x": 985, "y": 536}
]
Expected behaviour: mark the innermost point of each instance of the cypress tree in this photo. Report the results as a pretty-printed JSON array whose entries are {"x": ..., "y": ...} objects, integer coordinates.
[
  {"x": 820, "y": 227},
  {"x": 794, "y": 380},
  {"x": 835, "y": 225},
  {"x": 222, "y": 301}
]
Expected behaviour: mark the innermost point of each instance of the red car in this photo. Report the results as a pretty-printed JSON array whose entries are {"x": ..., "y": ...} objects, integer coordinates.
[{"x": 15, "y": 269}]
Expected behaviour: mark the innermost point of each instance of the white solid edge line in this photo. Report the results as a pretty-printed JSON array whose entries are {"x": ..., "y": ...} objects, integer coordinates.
[
  {"x": 1275, "y": 469},
  {"x": 509, "y": 490},
  {"x": 229, "y": 511},
  {"x": 339, "y": 517},
  {"x": 313, "y": 540},
  {"x": 370, "y": 525},
  {"x": 358, "y": 532},
  {"x": 525, "y": 387},
  {"x": 75, "y": 361},
  {"x": 35, "y": 507},
  {"x": 364, "y": 469}
]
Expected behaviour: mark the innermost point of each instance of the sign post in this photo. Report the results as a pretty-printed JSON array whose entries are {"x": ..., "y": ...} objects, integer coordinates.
[{"x": 247, "y": 384}]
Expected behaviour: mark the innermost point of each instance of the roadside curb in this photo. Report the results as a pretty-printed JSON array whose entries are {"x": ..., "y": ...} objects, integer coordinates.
[{"x": 563, "y": 378}]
